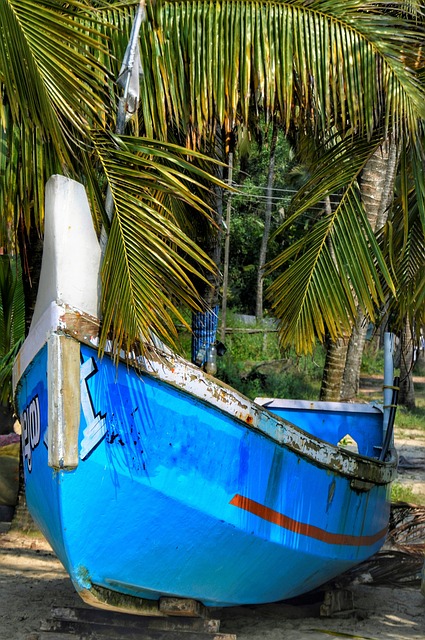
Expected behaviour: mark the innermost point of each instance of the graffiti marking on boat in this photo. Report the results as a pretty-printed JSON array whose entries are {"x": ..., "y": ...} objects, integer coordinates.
[
  {"x": 95, "y": 430},
  {"x": 31, "y": 428}
]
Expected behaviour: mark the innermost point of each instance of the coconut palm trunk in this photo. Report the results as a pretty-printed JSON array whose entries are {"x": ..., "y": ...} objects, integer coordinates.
[
  {"x": 377, "y": 184},
  {"x": 333, "y": 370},
  {"x": 336, "y": 350}
]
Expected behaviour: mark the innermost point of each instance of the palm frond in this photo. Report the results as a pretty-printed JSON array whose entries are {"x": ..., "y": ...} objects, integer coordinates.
[
  {"x": 336, "y": 265},
  {"x": 12, "y": 321},
  {"x": 149, "y": 263},
  {"x": 338, "y": 63},
  {"x": 26, "y": 163},
  {"x": 56, "y": 78},
  {"x": 403, "y": 240}
]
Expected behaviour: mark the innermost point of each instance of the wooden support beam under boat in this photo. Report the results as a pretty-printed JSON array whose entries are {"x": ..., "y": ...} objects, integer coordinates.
[{"x": 83, "y": 623}]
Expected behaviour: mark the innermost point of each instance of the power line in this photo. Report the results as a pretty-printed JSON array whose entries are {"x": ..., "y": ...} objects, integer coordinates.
[
  {"x": 285, "y": 190},
  {"x": 261, "y": 198},
  {"x": 258, "y": 186},
  {"x": 305, "y": 214}
]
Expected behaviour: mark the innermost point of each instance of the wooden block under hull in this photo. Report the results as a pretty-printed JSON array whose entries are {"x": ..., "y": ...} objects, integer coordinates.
[{"x": 79, "y": 623}]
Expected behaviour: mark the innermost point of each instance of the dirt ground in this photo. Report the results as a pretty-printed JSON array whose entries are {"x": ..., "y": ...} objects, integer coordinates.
[{"x": 32, "y": 580}]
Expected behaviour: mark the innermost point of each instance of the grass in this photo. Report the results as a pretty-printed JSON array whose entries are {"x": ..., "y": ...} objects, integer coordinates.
[
  {"x": 411, "y": 419},
  {"x": 255, "y": 365},
  {"x": 402, "y": 493}
]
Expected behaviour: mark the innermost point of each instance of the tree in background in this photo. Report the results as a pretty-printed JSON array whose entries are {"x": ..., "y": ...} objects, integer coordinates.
[
  {"x": 58, "y": 64},
  {"x": 267, "y": 222},
  {"x": 252, "y": 203},
  {"x": 12, "y": 330},
  {"x": 341, "y": 374},
  {"x": 347, "y": 71}
]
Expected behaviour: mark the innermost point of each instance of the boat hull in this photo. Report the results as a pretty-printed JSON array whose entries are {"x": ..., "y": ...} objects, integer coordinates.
[{"x": 174, "y": 496}]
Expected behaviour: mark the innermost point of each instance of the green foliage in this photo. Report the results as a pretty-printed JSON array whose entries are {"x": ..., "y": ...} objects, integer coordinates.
[
  {"x": 401, "y": 493},
  {"x": 254, "y": 347},
  {"x": 408, "y": 419},
  {"x": 254, "y": 364},
  {"x": 373, "y": 359},
  {"x": 12, "y": 321},
  {"x": 248, "y": 210},
  {"x": 291, "y": 382}
]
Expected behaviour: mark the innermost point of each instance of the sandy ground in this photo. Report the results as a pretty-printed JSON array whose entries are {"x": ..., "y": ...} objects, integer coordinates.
[{"x": 32, "y": 580}]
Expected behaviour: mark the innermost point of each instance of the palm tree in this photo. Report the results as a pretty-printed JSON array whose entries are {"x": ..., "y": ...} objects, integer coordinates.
[
  {"x": 323, "y": 65},
  {"x": 341, "y": 374},
  {"x": 11, "y": 332},
  {"x": 406, "y": 254},
  {"x": 58, "y": 107}
]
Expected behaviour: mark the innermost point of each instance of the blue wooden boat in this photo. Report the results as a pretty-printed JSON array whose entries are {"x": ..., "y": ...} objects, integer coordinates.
[{"x": 161, "y": 480}]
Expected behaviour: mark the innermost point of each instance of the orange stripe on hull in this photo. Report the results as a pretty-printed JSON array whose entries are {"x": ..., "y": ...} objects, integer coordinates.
[{"x": 301, "y": 528}]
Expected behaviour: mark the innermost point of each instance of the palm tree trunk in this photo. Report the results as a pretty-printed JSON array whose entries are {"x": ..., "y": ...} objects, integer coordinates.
[
  {"x": 336, "y": 352},
  {"x": 267, "y": 224},
  {"x": 333, "y": 370},
  {"x": 406, "y": 395},
  {"x": 351, "y": 374}
]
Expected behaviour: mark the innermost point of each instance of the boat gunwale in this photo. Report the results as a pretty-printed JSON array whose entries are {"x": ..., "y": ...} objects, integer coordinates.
[
  {"x": 324, "y": 406},
  {"x": 187, "y": 377}
]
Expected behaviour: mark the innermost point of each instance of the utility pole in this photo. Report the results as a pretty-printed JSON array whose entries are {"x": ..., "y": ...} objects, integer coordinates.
[{"x": 226, "y": 251}]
